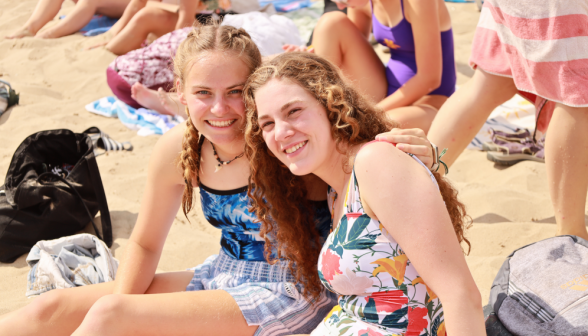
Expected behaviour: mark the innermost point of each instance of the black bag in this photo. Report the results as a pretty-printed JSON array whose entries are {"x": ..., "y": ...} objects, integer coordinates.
[{"x": 52, "y": 189}]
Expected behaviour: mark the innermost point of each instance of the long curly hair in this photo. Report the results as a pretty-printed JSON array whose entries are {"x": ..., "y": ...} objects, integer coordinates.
[
  {"x": 279, "y": 197},
  {"x": 209, "y": 37}
]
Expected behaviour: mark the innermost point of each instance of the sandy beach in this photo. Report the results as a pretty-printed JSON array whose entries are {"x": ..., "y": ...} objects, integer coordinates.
[{"x": 57, "y": 78}]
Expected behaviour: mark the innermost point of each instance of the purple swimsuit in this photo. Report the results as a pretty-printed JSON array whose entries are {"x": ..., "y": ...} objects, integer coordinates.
[{"x": 402, "y": 64}]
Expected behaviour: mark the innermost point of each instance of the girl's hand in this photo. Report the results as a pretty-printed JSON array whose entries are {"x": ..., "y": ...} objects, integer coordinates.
[
  {"x": 292, "y": 47},
  {"x": 413, "y": 141}
]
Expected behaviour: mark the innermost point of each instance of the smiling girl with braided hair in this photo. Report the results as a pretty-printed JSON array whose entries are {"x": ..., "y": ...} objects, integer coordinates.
[{"x": 237, "y": 292}]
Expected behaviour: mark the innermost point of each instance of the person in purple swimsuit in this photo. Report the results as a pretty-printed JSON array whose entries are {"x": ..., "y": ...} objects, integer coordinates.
[{"x": 420, "y": 75}]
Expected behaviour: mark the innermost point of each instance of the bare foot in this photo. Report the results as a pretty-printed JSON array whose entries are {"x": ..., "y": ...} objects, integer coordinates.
[
  {"x": 173, "y": 106},
  {"x": 22, "y": 32},
  {"x": 48, "y": 34},
  {"x": 148, "y": 98}
]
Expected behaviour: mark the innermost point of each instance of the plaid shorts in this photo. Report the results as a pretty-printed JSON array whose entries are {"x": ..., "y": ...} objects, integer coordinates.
[{"x": 266, "y": 294}]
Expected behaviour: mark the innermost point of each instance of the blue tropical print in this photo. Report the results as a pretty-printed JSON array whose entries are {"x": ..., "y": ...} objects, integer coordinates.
[{"x": 228, "y": 210}]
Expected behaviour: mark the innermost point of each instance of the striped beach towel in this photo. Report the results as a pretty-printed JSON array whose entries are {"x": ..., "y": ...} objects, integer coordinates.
[{"x": 541, "y": 44}]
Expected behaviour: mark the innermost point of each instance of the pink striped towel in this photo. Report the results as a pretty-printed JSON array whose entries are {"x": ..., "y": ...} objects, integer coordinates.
[{"x": 541, "y": 44}]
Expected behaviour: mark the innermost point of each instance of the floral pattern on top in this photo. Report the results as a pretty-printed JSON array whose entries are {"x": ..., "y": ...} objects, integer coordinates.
[{"x": 380, "y": 291}]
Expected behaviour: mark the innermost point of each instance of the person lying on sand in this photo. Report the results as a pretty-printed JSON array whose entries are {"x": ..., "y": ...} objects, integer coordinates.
[
  {"x": 543, "y": 63},
  {"x": 236, "y": 292},
  {"x": 80, "y": 16},
  {"x": 393, "y": 255},
  {"x": 420, "y": 75}
]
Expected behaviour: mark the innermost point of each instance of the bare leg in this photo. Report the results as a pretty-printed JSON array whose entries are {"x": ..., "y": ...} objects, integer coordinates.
[
  {"x": 461, "y": 117},
  {"x": 566, "y": 160},
  {"x": 43, "y": 13},
  {"x": 337, "y": 39},
  {"x": 212, "y": 312},
  {"x": 133, "y": 8},
  {"x": 78, "y": 18},
  {"x": 60, "y": 312},
  {"x": 147, "y": 20},
  {"x": 152, "y": 99},
  {"x": 419, "y": 115},
  {"x": 82, "y": 14}
]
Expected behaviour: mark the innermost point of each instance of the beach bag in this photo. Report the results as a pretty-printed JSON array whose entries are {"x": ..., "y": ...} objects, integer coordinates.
[
  {"x": 542, "y": 289},
  {"x": 8, "y": 96},
  {"x": 52, "y": 189}
]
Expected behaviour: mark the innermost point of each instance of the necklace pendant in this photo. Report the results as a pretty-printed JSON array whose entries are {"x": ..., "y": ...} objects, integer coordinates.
[{"x": 218, "y": 167}]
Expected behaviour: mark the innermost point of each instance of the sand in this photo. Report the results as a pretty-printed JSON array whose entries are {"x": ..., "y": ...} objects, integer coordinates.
[{"x": 56, "y": 78}]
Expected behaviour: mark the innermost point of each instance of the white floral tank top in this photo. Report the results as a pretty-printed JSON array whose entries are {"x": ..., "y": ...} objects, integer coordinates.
[{"x": 380, "y": 292}]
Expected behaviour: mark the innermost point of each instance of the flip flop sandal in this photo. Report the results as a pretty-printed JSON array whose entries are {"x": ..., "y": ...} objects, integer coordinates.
[
  {"x": 104, "y": 141},
  {"x": 504, "y": 159},
  {"x": 8, "y": 97}
]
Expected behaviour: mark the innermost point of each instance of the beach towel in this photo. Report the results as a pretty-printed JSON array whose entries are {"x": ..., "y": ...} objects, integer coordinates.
[
  {"x": 68, "y": 262},
  {"x": 542, "y": 289},
  {"x": 144, "y": 121},
  {"x": 269, "y": 32},
  {"x": 287, "y": 5},
  {"x": 541, "y": 44},
  {"x": 99, "y": 24}
]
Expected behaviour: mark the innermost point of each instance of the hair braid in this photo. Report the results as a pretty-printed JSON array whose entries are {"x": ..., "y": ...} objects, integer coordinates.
[{"x": 190, "y": 164}]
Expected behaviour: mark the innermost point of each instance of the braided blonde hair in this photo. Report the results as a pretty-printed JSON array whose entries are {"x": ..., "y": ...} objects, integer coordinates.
[{"x": 210, "y": 37}]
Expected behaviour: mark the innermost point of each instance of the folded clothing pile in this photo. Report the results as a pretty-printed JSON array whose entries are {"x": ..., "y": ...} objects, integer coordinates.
[{"x": 68, "y": 262}]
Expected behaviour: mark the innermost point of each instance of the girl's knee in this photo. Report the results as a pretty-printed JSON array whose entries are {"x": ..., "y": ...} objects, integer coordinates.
[
  {"x": 102, "y": 318},
  {"x": 107, "y": 308},
  {"x": 329, "y": 21},
  {"x": 43, "y": 308}
]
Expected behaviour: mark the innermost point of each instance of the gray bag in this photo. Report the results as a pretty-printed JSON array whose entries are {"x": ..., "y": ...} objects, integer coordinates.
[
  {"x": 542, "y": 289},
  {"x": 7, "y": 96}
]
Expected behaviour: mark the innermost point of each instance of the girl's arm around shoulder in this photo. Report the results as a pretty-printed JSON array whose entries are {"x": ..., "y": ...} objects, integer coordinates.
[
  {"x": 159, "y": 206},
  {"x": 399, "y": 192}
]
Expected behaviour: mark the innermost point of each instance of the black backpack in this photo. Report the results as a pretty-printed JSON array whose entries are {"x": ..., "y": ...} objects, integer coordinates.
[{"x": 52, "y": 189}]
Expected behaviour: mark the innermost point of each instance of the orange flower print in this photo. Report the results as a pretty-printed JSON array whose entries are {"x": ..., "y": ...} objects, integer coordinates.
[
  {"x": 441, "y": 330},
  {"x": 432, "y": 295},
  {"x": 330, "y": 263},
  {"x": 416, "y": 321},
  {"x": 391, "y": 44},
  {"x": 394, "y": 266}
]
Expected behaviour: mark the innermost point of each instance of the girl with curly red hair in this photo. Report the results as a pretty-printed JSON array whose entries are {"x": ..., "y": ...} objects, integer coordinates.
[{"x": 394, "y": 254}]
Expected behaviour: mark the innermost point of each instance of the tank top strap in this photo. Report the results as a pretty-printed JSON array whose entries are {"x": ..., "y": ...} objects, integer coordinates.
[
  {"x": 352, "y": 198},
  {"x": 402, "y": 8}
]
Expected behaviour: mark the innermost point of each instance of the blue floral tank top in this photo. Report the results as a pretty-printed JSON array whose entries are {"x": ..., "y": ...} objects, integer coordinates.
[{"x": 228, "y": 210}]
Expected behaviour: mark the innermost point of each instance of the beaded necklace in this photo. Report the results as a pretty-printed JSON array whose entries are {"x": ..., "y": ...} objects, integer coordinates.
[{"x": 223, "y": 163}]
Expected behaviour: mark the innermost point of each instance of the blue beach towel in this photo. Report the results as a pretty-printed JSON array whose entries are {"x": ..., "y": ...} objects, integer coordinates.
[
  {"x": 146, "y": 122},
  {"x": 287, "y": 5},
  {"x": 99, "y": 24}
]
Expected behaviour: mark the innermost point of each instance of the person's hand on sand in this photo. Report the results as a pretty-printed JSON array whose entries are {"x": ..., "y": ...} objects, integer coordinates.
[
  {"x": 292, "y": 47},
  {"x": 411, "y": 140}
]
